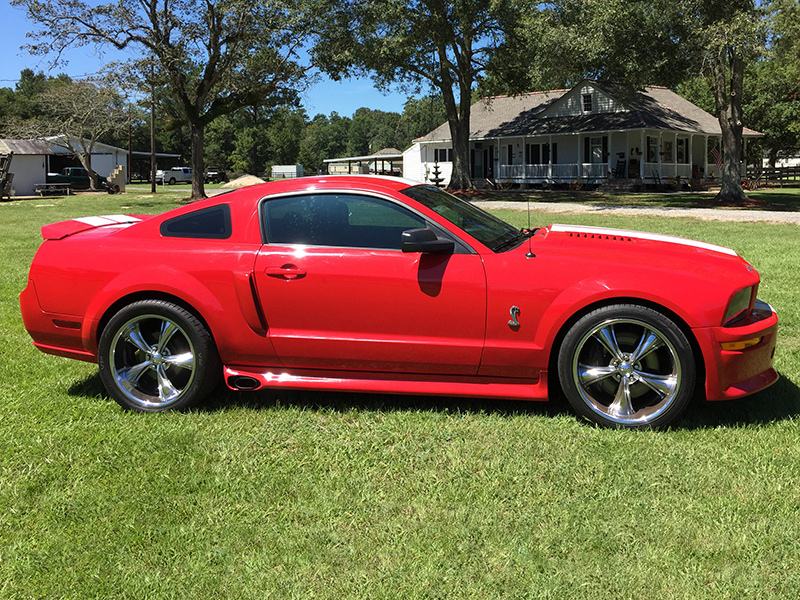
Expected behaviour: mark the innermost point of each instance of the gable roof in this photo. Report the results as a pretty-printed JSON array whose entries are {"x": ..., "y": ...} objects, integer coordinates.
[{"x": 653, "y": 107}]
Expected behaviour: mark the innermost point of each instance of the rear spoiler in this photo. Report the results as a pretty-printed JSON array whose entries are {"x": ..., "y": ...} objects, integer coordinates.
[{"x": 62, "y": 229}]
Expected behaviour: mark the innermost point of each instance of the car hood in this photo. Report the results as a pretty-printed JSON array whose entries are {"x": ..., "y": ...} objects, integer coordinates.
[{"x": 595, "y": 251}]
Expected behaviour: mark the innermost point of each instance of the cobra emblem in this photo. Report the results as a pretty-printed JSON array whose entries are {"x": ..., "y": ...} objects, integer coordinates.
[{"x": 514, "y": 314}]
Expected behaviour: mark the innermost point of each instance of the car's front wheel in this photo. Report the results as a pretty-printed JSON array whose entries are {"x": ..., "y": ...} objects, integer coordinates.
[
  {"x": 627, "y": 366},
  {"x": 155, "y": 355}
]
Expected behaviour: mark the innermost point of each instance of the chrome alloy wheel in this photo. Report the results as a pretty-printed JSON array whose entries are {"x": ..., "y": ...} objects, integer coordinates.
[
  {"x": 626, "y": 371},
  {"x": 152, "y": 361}
]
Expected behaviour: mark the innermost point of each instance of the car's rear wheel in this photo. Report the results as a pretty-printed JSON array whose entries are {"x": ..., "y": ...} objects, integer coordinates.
[
  {"x": 627, "y": 366},
  {"x": 172, "y": 181},
  {"x": 155, "y": 355}
]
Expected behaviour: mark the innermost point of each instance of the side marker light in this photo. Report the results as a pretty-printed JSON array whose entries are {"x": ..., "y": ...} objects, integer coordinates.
[{"x": 740, "y": 345}]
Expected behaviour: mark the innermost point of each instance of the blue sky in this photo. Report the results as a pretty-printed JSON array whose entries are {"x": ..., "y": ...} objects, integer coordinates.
[{"x": 324, "y": 97}]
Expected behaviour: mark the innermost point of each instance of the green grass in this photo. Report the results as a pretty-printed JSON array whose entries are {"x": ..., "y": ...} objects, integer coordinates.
[
  {"x": 302, "y": 495},
  {"x": 777, "y": 199}
]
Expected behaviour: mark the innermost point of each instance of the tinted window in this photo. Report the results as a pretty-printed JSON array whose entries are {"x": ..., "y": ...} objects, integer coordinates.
[
  {"x": 344, "y": 220},
  {"x": 209, "y": 223},
  {"x": 484, "y": 227}
]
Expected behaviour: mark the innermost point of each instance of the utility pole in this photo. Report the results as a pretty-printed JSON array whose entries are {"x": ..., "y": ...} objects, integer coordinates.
[{"x": 152, "y": 131}]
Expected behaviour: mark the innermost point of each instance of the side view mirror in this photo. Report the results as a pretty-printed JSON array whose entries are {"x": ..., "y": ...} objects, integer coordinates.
[{"x": 425, "y": 240}]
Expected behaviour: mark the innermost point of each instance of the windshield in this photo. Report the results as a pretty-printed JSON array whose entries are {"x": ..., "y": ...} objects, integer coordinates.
[{"x": 492, "y": 232}]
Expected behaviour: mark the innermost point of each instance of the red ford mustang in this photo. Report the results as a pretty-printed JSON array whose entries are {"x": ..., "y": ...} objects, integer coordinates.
[{"x": 372, "y": 284}]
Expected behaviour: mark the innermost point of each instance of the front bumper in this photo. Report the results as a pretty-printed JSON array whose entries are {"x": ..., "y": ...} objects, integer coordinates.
[{"x": 737, "y": 373}]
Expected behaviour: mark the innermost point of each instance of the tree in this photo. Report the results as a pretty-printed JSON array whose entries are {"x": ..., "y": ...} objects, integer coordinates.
[
  {"x": 559, "y": 43},
  {"x": 371, "y": 131},
  {"x": 730, "y": 34},
  {"x": 75, "y": 115},
  {"x": 284, "y": 133},
  {"x": 772, "y": 85},
  {"x": 420, "y": 116},
  {"x": 22, "y": 102},
  {"x": 215, "y": 56},
  {"x": 324, "y": 137},
  {"x": 416, "y": 44}
]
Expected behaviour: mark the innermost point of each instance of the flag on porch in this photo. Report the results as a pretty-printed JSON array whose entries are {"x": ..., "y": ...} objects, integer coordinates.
[{"x": 717, "y": 157}]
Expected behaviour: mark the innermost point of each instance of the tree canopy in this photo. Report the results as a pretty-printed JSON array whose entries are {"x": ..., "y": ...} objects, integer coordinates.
[
  {"x": 416, "y": 45},
  {"x": 213, "y": 56},
  {"x": 75, "y": 115}
]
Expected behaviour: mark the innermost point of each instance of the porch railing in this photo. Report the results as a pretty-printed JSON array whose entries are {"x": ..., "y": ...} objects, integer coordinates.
[{"x": 558, "y": 172}]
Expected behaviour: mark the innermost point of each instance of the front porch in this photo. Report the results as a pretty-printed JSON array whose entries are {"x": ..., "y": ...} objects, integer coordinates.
[{"x": 653, "y": 158}]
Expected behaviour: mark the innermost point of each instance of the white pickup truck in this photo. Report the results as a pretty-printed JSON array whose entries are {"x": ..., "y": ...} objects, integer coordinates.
[{"x": 174, "y": 175}]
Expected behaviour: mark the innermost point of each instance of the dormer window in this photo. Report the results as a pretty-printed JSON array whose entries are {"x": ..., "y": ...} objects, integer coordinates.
[{"x": 587, "y": 103}]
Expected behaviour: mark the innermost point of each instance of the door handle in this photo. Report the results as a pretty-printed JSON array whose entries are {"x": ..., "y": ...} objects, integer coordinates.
[{"x": 287, "y": 272}]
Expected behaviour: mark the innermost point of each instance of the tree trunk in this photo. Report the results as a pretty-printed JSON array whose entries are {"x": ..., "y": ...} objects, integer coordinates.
[
  {"x": 458, "y": 116},
  {"x": 86, "y": 162},
  {"x": 460, "y": 179},
  {"x": 198, "y": 147},
  {"x": 728, "y": 96}
]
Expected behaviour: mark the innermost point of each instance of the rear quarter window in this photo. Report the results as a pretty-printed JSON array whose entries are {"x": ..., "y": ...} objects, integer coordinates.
[{"x": 212, "y": 223}]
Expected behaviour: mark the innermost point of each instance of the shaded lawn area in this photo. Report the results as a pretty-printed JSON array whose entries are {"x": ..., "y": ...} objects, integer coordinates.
[
  {"x": 776, "y": 199},
  {"x": 332, "y": 496}
]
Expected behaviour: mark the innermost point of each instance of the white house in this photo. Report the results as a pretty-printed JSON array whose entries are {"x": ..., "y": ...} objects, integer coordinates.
[
  {"x": 34, "y": 159},
  {"x": 589, "y": 134}
]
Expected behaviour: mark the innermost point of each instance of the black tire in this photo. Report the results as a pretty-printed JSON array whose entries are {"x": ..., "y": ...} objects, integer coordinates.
[
  {"x": 627, "y": 366},
  {"x": 156, "y": 356},
  {"x": 171, "y": 181}
]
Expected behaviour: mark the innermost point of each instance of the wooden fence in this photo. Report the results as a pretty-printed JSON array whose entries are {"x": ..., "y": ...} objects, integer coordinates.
[{"x": 776, "y": 175}]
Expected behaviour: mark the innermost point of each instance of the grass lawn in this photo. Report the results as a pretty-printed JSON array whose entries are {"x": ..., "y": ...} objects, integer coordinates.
[
  {"x": 311, "y": 495},
  {"x": 778, "y": 199}
]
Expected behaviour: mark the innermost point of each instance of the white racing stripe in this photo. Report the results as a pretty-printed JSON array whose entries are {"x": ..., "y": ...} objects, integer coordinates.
[
  {"x": 640, "y": 235},
  {"x": 100, "y": 221}
]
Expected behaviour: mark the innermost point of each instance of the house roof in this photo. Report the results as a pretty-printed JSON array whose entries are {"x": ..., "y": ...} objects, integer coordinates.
[
  {"x": 385, "y": 154},
  {"x": 652, "y": 108},
  {"x": 22, "y": 147},
  {"x": 57, "y": 141}
]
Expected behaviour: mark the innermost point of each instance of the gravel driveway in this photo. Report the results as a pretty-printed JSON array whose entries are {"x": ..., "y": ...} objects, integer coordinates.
[{"x": 706, "y": 214}]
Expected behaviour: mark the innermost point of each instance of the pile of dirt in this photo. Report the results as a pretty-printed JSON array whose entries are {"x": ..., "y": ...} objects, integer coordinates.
[{"x": 243, "y": 181}]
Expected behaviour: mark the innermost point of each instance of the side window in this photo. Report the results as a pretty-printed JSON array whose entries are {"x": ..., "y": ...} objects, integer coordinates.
[
  {"x": 343, "y": 220},
  {"x": 209, "y": 223}
]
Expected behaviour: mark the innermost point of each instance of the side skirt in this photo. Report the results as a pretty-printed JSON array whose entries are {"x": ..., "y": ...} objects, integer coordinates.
[{"x": 250, "y": 378}]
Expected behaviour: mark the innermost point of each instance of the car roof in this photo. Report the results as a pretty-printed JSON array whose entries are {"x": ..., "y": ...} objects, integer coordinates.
[{"x": 364, "y": 182}]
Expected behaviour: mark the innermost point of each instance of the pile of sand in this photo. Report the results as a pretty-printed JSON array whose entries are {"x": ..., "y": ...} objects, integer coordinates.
[{"x": 243, "y": 181}]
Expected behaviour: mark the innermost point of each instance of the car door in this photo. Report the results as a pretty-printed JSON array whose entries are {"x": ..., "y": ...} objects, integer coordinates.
[{"x": 338, "y": 293}]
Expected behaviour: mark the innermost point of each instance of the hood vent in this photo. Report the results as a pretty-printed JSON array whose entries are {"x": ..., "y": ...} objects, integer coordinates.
[{"x": 598, "y": 236}]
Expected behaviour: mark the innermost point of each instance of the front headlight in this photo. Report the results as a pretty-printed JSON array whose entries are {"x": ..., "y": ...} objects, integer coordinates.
[{"x": 739, "y": 305}]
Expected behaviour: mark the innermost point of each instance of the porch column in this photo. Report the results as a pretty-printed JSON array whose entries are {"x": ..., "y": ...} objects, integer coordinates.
[
  {"x": 691, "y": 158},
  {"x": 550, "y": 158},
  {"x": 743, "y": 158},
  {"x": 524, "y": 160},
  {"x": 705, "y": 158},
  {"x": 608, "y": 158},
  {"x": 499, "y": 161},
  {"x": 642, "y": 156}
]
